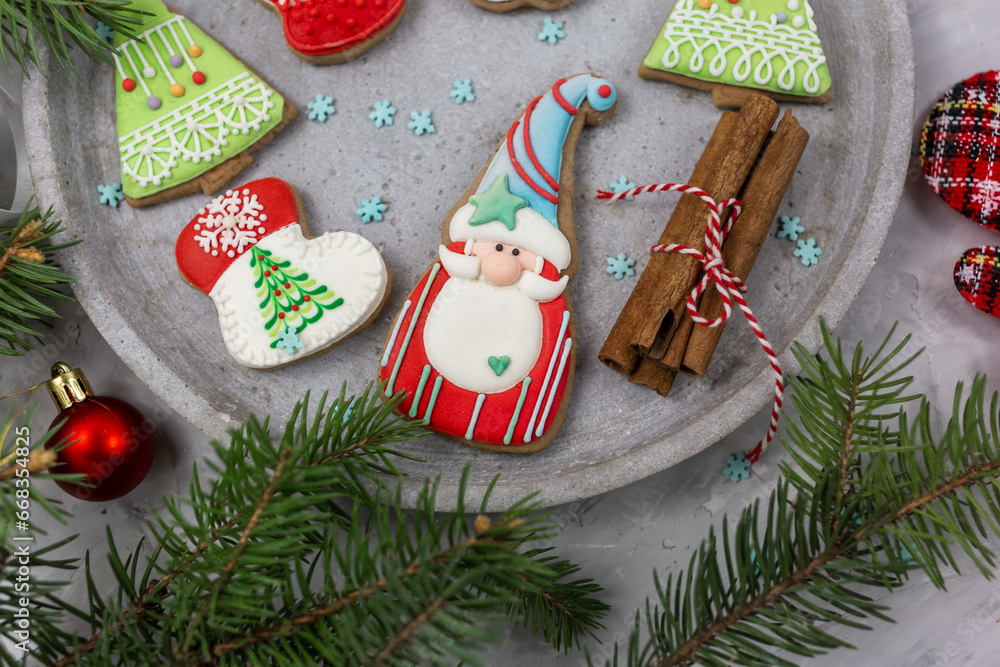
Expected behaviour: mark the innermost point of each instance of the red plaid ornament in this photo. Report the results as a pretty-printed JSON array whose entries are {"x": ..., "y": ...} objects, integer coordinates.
[
  {"x": 960, "y": 149},
  {"x": 977, "y": 277}
]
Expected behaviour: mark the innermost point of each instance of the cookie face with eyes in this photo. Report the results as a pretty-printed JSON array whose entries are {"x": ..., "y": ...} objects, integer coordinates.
[{"x": 484, "y": 346}]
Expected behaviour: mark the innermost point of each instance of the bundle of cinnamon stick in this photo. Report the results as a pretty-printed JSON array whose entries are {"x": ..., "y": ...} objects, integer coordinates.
[{"x": 654, "y": 338}]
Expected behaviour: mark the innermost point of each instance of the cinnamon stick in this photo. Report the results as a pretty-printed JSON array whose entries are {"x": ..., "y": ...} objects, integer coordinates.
[
  {"x": 653, "y": 310},
  {"x": 652, "y": 374},
  {"x": 761, "y": 199},
  {"x": 617, "y": 352}
]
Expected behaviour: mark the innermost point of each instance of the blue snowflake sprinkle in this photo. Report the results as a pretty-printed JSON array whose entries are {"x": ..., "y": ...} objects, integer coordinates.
[
  {"x": 462, "y": 92},
  {"x": 906, "y": 555},
  {"x": 320, "y": 108},
  {"x": 621, "y": 266},
  {"x": 111, "y": 195},
  {"x": 289, "y": 341},
  {"x": 371, "y": 209},
  {"x": 737, "y": 467},
  {"x": 383, "y": 113},
  {"x": 105, "y": 31},
  {"x": 808, "y": 252},
  {"x": 421, "y": 123},
  {"x": 552, "y": 32},
  {"x": 623, "y": 184},
  {"x": 790, "y": 228}
]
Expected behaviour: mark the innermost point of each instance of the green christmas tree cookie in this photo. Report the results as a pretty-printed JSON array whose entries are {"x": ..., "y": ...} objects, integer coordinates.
[
  {"x": 189, "y": 112},
  {"x": 738, "y": 47}
]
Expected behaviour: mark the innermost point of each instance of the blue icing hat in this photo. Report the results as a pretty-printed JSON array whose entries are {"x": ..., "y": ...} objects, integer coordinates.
[{"x": 533, "y": 167}]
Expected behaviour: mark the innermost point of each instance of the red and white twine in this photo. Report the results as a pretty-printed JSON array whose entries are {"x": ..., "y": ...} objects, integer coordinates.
[{"x": 729, "y": 286}]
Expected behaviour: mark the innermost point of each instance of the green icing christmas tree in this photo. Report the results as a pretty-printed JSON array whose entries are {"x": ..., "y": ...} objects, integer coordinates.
[
  {"x": 771, "y": 45},
  {"x": 185, "y": 104},
  {"x": 289, "y": 299}
]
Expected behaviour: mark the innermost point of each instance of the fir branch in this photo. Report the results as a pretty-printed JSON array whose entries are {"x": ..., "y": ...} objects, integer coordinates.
[
  {"x": 27, "y": 274},
  {"x": 869, "y": 496},
  {"x": 299, "y": 553},
  {"x": 63, "y": 26}
]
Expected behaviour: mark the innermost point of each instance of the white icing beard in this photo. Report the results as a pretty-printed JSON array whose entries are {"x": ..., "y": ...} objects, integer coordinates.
[
  {"x": 344, "y": 262},
  {"x": 471, "y": 321}
]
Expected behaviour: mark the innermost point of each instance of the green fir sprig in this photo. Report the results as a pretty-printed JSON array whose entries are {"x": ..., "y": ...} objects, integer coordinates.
[
  {"x": 298, "y": 552},
  {"x": 64, "y": 26},
  {"x": 27, "y": 276},
  {"x": 868, "y": 496}
]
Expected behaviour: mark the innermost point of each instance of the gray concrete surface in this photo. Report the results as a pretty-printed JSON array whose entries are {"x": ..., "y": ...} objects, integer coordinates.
[
  {"x": 621, "y": 537},
  {"x": 846, "y": 190}
]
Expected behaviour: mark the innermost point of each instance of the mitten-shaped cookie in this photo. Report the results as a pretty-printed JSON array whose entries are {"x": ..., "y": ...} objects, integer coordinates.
[
  {"x": 507, "y": 5},
  {"x": 189, "y": 112},
  {"x": 327, "y": 32},
  {"x": 741, "y": 47},
  {"x": 280, "y": 295},
  {"x": 484, "y": 347}
]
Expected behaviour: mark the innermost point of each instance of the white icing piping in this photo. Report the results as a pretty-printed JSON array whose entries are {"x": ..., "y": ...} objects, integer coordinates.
[
  {"x": 548, "y": 376},
  {"x": 475, "y": 417},
  {"x": 555, "y": 385},
  {"x": 749, "y": 37}
]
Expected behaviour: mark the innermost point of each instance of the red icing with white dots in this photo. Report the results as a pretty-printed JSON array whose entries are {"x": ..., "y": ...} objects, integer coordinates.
[
  {"x": 323, "y": 27},
  {"x": 203, "y": 263}
]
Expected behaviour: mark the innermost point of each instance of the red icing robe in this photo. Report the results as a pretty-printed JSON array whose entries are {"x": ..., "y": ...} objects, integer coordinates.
[{"x": 500, "y": 419}]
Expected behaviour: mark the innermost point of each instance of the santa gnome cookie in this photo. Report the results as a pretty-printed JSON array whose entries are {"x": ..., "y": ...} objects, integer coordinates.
[
  {"x": 328, "y": 32},
  {"x": 735, "y": 48},
  {"x": 281, "y": 296},
  {"x": 507, "y": 5},
  {"x": 483, "y": 348},
  {"x": 189, "y": 112}
]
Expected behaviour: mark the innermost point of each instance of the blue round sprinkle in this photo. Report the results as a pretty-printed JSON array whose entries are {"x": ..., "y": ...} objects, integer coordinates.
[{"x": 781, "y": 16}]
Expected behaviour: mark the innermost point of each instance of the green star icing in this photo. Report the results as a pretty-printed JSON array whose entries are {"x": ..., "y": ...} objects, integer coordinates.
[
  {"x": 696, "y": 42},
  {"x": 218, "y": 65},
  {"x": 496, "y": 203}
]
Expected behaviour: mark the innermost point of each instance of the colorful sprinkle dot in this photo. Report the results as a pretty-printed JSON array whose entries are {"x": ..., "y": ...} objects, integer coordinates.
[
  {"x": 176, "y": 61},
  {"x": 128, "y": 85},
  {"x": 198, "y": 78},
  {"x": 149, "y": 72},
  {"x": 194, "y": 51},
  {"x": 154, "y": 103},
  {"x": 177, "y": 90}
]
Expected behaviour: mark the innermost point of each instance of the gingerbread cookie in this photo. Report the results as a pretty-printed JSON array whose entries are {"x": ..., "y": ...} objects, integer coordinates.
[
  {"x": 507, "y": 5},
  {"x": 189, "y": 112},
  {"x": 960, "y": 149},
  {"x": 281, "y": 296},
  {"x": 484, "y": 346},
  {"x": 737, "y": 47},
  {"x": 328, "y": 32}
]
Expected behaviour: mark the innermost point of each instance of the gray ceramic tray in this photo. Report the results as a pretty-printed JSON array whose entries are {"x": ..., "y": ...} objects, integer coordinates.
[{"x": 846, "y": 192}]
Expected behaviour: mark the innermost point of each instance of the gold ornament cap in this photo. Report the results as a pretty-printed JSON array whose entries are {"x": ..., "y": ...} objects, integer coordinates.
[{"x": 68, "y": 386}]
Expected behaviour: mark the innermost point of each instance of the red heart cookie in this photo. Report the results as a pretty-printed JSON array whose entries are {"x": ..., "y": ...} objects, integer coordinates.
[
  {"x": 327, "y": 32},
  {"x": 977, "y": 277}
]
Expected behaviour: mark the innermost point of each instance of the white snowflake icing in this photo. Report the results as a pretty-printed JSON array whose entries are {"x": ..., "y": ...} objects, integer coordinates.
[
  {"x": 987, "y": 195},
  {"x": 231, "y": 223}
]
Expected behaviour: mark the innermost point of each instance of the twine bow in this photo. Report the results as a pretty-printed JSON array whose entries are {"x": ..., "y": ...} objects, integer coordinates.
[{"x": 729, "y": 286}]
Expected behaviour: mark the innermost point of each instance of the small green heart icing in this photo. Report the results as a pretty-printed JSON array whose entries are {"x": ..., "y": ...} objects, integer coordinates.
[{"x": 499, "y": 364}]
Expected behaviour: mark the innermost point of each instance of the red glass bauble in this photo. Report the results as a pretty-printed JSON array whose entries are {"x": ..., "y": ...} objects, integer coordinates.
[{"x": 112, "y": 446}]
